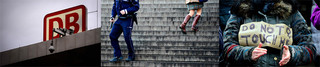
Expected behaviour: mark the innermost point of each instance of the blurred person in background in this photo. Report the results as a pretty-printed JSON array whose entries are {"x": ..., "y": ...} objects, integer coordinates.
[{"x": 315, "y": 28}]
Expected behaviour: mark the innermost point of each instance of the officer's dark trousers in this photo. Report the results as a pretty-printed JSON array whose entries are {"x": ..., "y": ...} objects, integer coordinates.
[{"x": 120, "y": 26}]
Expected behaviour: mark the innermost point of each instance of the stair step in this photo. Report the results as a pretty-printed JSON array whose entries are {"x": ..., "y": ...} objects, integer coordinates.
[
  {"x": 105, "y": 34},
  {"x": 166, "y": 43},
  {"x": 155, "y": 23},
  {"x": 169, "y": 38},
  {"x": 170, "y": 28},
  {"x": 167, "y": 9},
  {"x": 125, "y": 54},
  {"x": 183, "y": 52},
  {"x": 160, "y": 57},
  {"x": 158, "y": 1},
  {"x": 209, "y": 5},
  {"x": 108, "y": 46},
  {"x": 146, "y": 23},
  {"x": 165, "y": 52},
  {"x": 160, "y": 64},
  {"x": 124, "y": 46},
  {"x": 168, "y": 19},
  {"x": 163, "y": 15}
]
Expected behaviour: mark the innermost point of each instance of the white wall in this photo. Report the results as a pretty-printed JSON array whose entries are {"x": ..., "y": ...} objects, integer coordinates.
[{"x": 21, "y": 21}]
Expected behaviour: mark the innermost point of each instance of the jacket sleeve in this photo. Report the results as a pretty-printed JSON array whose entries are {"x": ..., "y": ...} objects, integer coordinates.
[
  {"x": 114, "y": 12},
  {"x": 303, "y": 50},
  {"x": 234, "y": 53},
  {"x": 133, "y": 8}
]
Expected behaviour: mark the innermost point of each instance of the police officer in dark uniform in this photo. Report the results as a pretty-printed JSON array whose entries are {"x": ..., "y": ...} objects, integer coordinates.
[{"x": 125, "y": 10}]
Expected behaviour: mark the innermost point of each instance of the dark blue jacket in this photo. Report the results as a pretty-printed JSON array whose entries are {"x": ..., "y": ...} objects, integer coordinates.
[{"x": 130, "y": 6}]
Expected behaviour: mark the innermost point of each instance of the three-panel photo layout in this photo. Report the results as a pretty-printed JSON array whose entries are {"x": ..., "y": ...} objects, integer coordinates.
[{"x": 160, "y": 33}]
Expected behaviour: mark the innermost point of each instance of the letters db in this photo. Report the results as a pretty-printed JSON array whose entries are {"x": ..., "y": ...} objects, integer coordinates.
[
  {"x": 270, "y": 35},
  {"x": 74, "y": 18}
]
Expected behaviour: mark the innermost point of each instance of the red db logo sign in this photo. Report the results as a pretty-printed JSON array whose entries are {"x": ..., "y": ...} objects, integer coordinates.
[{"x": 72, "y": 18}]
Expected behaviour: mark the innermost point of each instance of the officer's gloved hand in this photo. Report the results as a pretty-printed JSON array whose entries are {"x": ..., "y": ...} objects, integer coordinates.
[
  {"x": 111, "y": 20},
  {"x": 258, "y": 52},
  {"x": 123, "y": 12}
]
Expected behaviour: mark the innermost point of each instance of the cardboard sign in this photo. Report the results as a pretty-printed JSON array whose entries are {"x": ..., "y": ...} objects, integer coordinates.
[
  {"x": 270, "y": 35},
  {"x": 72, "y": 18}
]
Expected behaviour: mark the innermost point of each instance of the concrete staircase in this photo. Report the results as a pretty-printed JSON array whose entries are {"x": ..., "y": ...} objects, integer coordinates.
[{"x": 157, "y": 39}]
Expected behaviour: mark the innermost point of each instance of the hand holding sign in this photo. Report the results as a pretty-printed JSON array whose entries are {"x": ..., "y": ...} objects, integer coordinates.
[
  {"x": 285, "y": 56},
  {"x": 258, "y": 52},
  {"x": 270, "y": 35}
]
